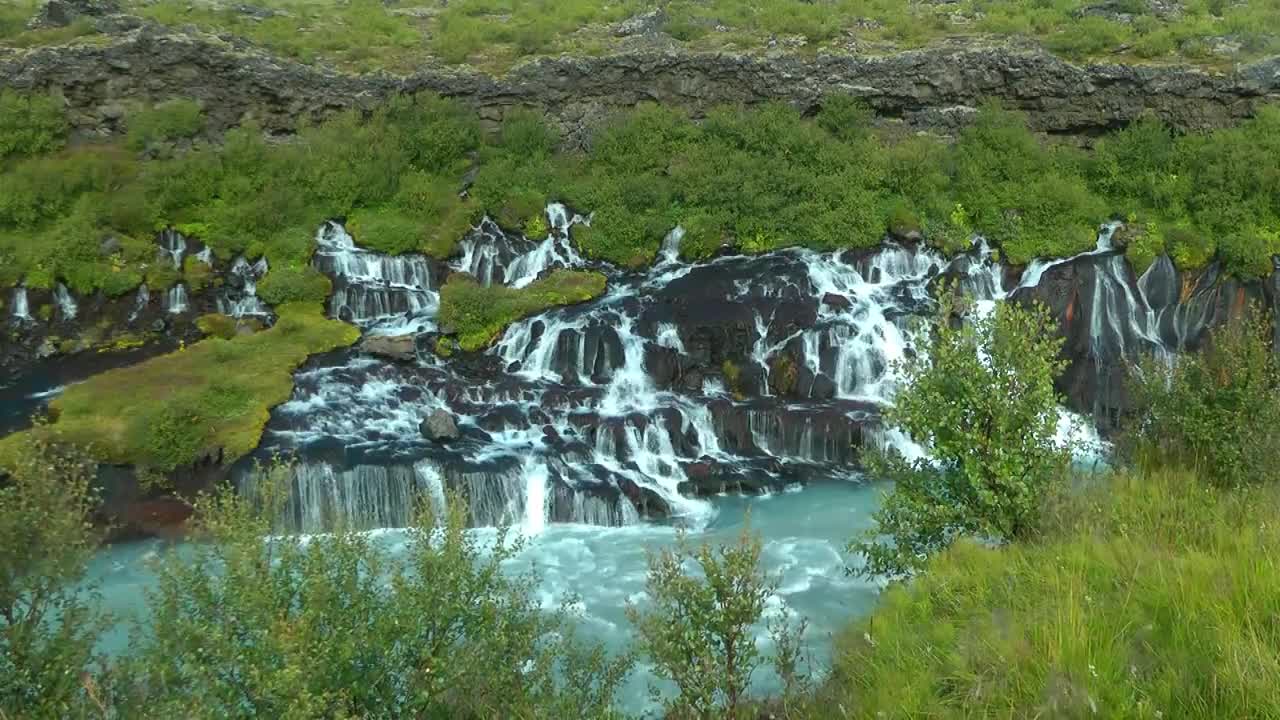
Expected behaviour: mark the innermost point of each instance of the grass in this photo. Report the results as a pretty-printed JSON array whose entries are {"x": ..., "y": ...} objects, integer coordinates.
[
  {"x": 495, "y": 34},
  {"x": 209, "y": 400},
  {"x": 478, "y": 314},
  {"x": 1150, "y": 595}
]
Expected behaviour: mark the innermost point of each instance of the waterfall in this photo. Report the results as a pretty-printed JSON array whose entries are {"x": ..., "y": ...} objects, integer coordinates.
[
  {"x": 382, "y": 293},
  {"x": 175, "y": 299},
  {"x": 67, "y": 308},
  {"x": 172, "y": 247},
  {"x": 239, "y": 298},
  {"x": 140, "y": 302},
  {"x": 490, "y": 255},
  {"x": 19, "y": 310}
]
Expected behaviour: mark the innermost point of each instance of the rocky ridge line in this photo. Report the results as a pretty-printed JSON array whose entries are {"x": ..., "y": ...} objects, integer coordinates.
[{"x": 936, "y": 88}]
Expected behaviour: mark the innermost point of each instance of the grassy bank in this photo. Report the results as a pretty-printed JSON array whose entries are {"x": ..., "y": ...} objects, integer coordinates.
[
  {"x": 1151, "y": 595},
  {"x": 494, "y": 34},
  {"x": 479, "y": 314},
  {"x": 209, "y": 400},
  {"x": 755, "y": 180}
]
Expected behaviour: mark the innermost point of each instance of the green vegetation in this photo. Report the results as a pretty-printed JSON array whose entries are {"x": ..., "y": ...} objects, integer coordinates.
[
  {"x": 1218, "y": 410},
  {"x": 1146, "y": 597},
  {"x": 495, "y": 34},
  {"x": 168, "y": 121},
  {"x": 982, "y": 403},
  {"x": 47, "y": 628},
  {"x": 338, "y": 626},
  {"x": 30, "y": 124},
  {"x": 478, "y": 314},
  {"x": 700, "y": 628},
  {"x": 756, "y": 180},
  {"x": 208, "y": 400}
]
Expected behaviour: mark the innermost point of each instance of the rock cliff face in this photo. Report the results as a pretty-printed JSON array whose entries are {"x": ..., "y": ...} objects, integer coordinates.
[{"x": 937, "y": 88}]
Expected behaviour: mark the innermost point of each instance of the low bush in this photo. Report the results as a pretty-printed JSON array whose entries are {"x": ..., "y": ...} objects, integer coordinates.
[
  {"x": 292, "y": 284},
  {"x": 1218, "y": 409}
]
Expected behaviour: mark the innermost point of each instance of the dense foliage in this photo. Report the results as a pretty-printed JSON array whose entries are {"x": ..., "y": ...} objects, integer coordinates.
[
  {"x": 1148, "y": 596},
  {"x": 982, "y": 404},
  {"x": 754, "y": 179},
  {"x": 498, "y": 33},
  {"x": 1218, "y": 409},
  {"x": 208, "y": 400},
  {"x": 341, "y": 626}
]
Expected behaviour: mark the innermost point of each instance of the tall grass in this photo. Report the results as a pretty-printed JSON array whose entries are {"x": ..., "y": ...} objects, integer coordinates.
[{"x": 1151, "y": 595}]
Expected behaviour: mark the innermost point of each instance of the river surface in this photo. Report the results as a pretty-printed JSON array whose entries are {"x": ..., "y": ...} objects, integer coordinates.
[{"x": 804, "y": 533}]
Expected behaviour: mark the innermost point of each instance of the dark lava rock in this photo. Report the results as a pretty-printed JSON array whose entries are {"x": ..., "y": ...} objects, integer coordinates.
[
  {"x": 439, "y": 427},
  {"x": 839, "y": 302}
]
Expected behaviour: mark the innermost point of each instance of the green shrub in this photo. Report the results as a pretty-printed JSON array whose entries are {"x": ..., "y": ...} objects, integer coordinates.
[
  {"x": 698, "y": 629},
  {"x": 176, "y": 119},
  {"x": 48, "y": 624},
  {"x": 290, "y": 284},
  {"x": 217, "y": 325},
  {"x": 478, "y": 314},
  {"x": 30, "y": 124},
  {"x": 1217, "y": 410},
  {"x": 982, "y": 402}
]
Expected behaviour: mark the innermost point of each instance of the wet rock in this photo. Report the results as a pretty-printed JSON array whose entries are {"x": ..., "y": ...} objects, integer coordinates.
[
  {"x": 109, "y": 246},
  {"x": 402, "y": 348},
  {"x": 823, "y": 388},
  {"x": 158, "y": 325},
  {"x": 439, "y": 427},
  {"x": 840, "y": 302}
]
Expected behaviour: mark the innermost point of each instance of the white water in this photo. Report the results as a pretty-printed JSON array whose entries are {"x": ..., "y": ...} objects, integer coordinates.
[
  {"x": 66, "y": 303},
  {"x": 140, "y": 301},
  {"x": 175, "y": 299},
  {"x": 239, "y": 298},
  {"x": 18, "y": 308}
]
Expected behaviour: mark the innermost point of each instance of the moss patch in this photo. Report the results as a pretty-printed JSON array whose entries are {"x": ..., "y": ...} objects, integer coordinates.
[
  {"x": 479, "y": 314},
  {"x": 210, "y": 399}
]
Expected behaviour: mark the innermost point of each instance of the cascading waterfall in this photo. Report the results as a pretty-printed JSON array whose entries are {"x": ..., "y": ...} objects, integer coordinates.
[
  {"x": 239, "y": 299},
  {"x": 19, "y": 309},
  {"x": 173, "y": 246},
  {"x": 67, "y": 308},
  {"x": 383, "y": 294},
  {"x": 175, "y": 299},
  {"x": 140, "y": 301}
]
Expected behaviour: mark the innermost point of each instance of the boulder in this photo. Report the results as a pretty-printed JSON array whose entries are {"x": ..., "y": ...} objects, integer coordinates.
[
  {"x": 401, "y": 348},
  {"x": 643, "y": 24},
  {"x": 840, "y": 302},
  {"x": 439, "y": 427},
  {"x": 61, "y": 13}
]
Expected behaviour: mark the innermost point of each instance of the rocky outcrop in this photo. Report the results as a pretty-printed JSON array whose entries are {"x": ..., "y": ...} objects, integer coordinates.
[{"x": 937, "y": 88}]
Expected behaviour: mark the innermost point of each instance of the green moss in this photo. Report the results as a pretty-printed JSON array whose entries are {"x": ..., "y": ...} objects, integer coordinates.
[
  {"x": 196, "y": 273},
  {"x": 478, "y": 314},
  {"x": 444, "y": 347},
  {"x": 294, "y": 284},
  {"x": 217, "y": 325},
  {"x": 732, "y": 377},
  {"x": 210, "y": 399}
]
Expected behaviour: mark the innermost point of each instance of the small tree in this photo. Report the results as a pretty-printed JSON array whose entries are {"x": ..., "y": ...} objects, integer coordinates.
[
  {"x": 700, "y": 631},
  {"x": 982, "y": 402},
  {"x": 48, "y": 623},
  {"x": 1218, "y": 409},
  {"x": 252, "y": 624}
]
